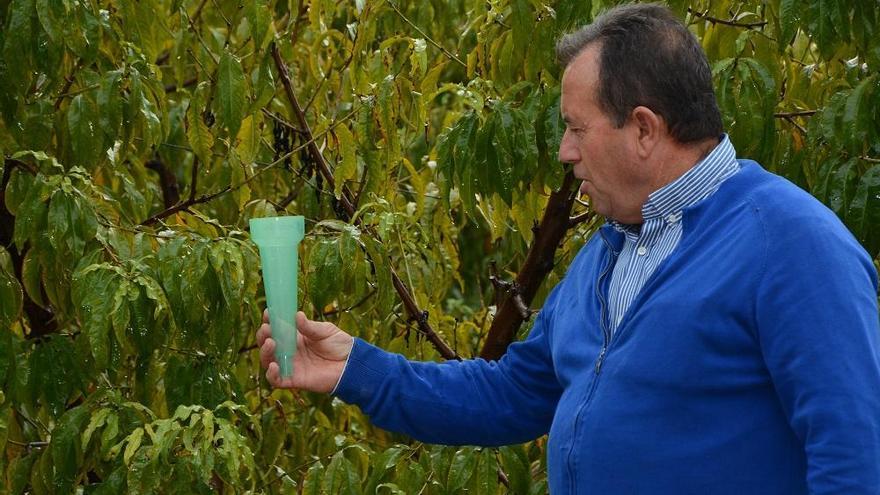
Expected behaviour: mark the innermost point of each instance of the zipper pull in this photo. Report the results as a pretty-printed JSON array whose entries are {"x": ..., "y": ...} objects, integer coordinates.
[{"x": 601, "y": 359}]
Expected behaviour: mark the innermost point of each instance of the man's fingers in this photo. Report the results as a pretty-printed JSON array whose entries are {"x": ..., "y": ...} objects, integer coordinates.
[
  {"x": 266, "y": 315},
  {"x": 273, "y": 376},
  {"x": 267, "y": 353},
  {"x": 263, "y": 333},
  {"x": 315, "y": 330}
]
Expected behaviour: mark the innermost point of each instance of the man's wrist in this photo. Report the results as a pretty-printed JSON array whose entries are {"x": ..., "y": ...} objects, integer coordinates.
[{"x": 344, "y": 367}]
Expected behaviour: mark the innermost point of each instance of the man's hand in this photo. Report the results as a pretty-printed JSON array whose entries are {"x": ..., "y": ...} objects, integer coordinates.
[{"x": 321, "y": 351}]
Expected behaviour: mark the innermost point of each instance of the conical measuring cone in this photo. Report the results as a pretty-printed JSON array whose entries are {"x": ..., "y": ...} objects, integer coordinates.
[{"x": 278, "y": 239}]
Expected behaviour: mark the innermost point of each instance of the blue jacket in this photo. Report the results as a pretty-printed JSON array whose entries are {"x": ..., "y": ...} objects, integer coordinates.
[{"x": 748, "y": 364}]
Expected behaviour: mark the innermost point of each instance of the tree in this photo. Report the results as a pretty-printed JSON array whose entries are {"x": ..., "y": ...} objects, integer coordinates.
[{"x": 419, "y": 142}]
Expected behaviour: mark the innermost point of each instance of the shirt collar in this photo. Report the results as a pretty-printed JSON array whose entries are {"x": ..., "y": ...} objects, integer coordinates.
[{"x": 692, "y": 187}]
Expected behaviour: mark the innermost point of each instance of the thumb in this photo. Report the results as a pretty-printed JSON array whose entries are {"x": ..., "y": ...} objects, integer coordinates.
[{"x": 315, "y": 330}]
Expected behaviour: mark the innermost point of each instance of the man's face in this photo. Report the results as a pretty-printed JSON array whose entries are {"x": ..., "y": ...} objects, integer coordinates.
[{"x": 603, "y": 156}]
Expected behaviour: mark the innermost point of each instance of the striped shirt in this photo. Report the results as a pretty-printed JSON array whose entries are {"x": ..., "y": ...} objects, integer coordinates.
[{"x": 648, "y": 244}]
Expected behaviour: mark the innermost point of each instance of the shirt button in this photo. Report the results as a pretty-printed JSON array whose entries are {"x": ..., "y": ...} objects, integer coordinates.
[
  {"x": 671, "y": 218},
  {"x": 642, "y": 250}
]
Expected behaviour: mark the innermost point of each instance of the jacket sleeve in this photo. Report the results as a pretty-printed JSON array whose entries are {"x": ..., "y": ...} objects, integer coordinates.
[
  {"x": 472, "y": 402},
  {"x": 819, "y": 331}
]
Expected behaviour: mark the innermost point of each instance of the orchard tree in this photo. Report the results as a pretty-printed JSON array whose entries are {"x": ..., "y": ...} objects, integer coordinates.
[{"x": 418, "y": 139}]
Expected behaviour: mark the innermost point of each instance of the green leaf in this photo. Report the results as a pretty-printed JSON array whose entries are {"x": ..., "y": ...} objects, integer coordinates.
[
  {"x": 20, "y": 469},
  {"x": 114, "y": 484},
  {"x": 197, "y": 133},
  {"x": 312, "y": 482},
  {"x": 66, "y": 450},
  {"x": 83, "y": 124},
  {"x": 133, "y": 443},
  {"x": 789, "y": 16},
  {"x": 59, "y": 214},
  {"x": 346, "y": 168},
  {"x": 325, "y": 266},
  {"x": 461, "y": 469},
  {"x": 194, "y": 381},
  {"x": 515, "y": 462},
  {"x": 18, "y": 49},
  {"x": 231, "y": 92},
  {"x": 842, "y": 187},
  {"x": 109, "y": 105},
  {"x": 259, "y": 18},
  {"x": 411, "y": 477},
  {"x": 90, "y": 293},
  {"x": 855, "y": 133},
  {"x": 31, "y": 216},
  {"x": 380, "y": 465},
  {"x": 97, "y": 420},
  {"x": 55, "y": 372},
  {"x": 340, "y": 476},
  {"x": 11, "y": 298},
  {"x": 863, "y": 215},
  {"x": 486, "y": 477},
  {"x": 51, "y": 15},
  {"x": 7, "y": 357}
]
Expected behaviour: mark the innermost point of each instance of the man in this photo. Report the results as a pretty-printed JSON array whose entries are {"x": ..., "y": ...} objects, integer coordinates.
[{"x": 719, "y": 335}]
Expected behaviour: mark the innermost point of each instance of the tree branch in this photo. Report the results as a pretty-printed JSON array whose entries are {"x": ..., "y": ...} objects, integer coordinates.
[
  {"x": 799, "y": 113},
  {"x": 349, "y": 209},
  {"x": 583, "y": 217},
  {"x": 715, "y": 20},
  {"x": 428, "y": 38},
  {"x": 167, "y": 181},
  {"x": 184, "y": 206},
  {"x": 539, "y": 261}
]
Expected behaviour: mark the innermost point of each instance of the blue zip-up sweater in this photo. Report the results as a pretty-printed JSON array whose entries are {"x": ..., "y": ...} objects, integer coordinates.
[{"x": 748, "y": 363}]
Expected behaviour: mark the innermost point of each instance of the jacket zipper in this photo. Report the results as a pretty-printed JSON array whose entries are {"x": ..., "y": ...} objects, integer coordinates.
[
  {"x": 605, "y": 342},
  {"x": 603, "y": 324}
]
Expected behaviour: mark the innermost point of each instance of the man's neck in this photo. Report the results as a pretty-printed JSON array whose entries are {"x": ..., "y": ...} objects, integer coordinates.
[{"x": 676, "y": 159}]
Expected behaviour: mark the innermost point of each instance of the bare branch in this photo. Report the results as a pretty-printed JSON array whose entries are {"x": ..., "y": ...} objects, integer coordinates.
[
  {"x": 579, "y": 219},
  {"x": 349, "y": 209},
  {"x": 715, "y": 20},
  {"x": 799, "y": 113},
  {"x": 428, "y": 38},
  {"x": 184, "y": 206}
]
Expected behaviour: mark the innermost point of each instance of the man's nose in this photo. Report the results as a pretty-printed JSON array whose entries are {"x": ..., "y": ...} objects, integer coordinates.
[{"x": 568, "y": 152}]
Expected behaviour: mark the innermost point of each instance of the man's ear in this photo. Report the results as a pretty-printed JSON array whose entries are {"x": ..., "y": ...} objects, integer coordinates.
[{"x": 650, "y": 128}]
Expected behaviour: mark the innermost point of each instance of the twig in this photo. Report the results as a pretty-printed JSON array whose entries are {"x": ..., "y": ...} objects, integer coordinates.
[
  {"x": 68, "y": 81},
  {"x": 799, "y": 113},
  {"x": 579, "y": 219},
  {"x": 184, "y": 206},
  {"x": 307, "y": 131},
  {"x": 354, "y": 306},
  {"x": 194, "y": 175},
  {"x": 715, "y": 20},
  {"x": 869, "y": 159},
  {"x": 799, "y": 127},
  {"x": 170, "y": 88},
  {"x": 349, "y": 208},
  {"x": 428, "y": 38}
]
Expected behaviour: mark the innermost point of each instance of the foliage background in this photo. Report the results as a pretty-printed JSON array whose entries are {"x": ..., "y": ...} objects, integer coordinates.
[{"x": 138, "y": 138}]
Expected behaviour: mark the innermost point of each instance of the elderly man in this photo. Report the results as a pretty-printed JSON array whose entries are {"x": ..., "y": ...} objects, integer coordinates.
[{"x": 718, "y": 335}]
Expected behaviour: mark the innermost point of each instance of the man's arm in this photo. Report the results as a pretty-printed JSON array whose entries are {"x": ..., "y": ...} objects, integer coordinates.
[
  {"x": 819, "y": 332},
  {"x": 470, "y": 402}
]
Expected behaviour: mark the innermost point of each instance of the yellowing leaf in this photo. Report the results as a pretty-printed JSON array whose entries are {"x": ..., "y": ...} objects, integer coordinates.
[{"x": 346, "y": 169}]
